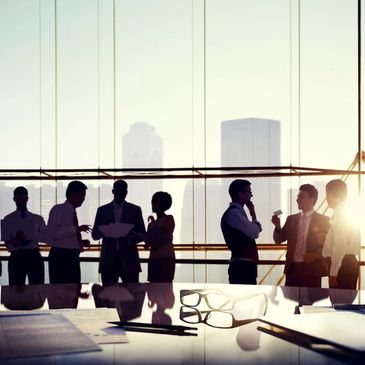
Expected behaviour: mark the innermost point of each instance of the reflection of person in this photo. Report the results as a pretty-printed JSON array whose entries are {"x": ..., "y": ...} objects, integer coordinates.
[
  {"x": 25, "y": 258},
  {"x": 23, "y": 297},
  {"x": 161, "y": 263},
  {"x": 127, "y": 298},
  {"x": 64, "y": 235},
  {"x": 342, "y": 243},
  {"x": 119, "y": 256},
  {"x": 304, "y": 233},
  {"x": 240, "y": 234},
  {"x": 65, "y": 295},
  {"x": 162, "y": 296}
]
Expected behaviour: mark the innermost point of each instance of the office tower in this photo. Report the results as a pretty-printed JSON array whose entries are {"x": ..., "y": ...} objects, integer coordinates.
[
  {"x": 142, "y": 148},
  {"x": 252, "y": 142}
]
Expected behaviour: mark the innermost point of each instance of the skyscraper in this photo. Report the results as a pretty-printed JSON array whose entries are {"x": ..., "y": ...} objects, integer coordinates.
[
  {"x": 142, "y": 148},
  {"x": 252, "y": 142}
]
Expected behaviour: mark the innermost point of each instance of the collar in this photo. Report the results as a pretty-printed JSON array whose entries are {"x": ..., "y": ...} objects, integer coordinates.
[
  {"x": 118, "y": 205},
  {"x": 234, "y": 204},
  {"x": 308, "y": 214}
]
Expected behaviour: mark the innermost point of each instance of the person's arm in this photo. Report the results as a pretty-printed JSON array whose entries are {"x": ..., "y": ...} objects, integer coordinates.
[
  {"x": 56, "y": 228},
  {"x": 96, "y": 233},
  {"x": 338, "y": 244},
  {"x": 138, "y": 232},
  {"x": 42, "y": 231},
  {"x": 237, "y": 220},
  {"x": 280, "y": 234}
]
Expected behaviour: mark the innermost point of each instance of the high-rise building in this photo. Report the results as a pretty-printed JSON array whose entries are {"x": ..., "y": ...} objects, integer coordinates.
[
  {"x": 142, "y": 148},
  {"x": 251, "y": 142}
]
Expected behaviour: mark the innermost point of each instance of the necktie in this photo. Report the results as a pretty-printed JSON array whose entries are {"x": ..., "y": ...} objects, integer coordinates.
[
  {"x": 78, "y": 233},
  {"x": 117, "y": 213},
  {"x": 301, "y": 235}
]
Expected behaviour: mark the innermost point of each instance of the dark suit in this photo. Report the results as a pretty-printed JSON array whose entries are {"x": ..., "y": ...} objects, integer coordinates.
[
  {"x": 304, "y": 274},
  {"x": 119, "y": 257}
]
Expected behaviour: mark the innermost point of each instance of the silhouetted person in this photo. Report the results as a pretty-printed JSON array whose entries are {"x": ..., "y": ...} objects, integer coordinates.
[
  {"x": 240, "y": 234},
  {"x": 119, "y": 256},
  {"x": 64, "y": 235},
  {"x": 160, "y": 297},
  {"x": 304, "y": 233},
  {"x": 65, "y": 295},
  {"x": 25, "y": 258},
  {"x": 127, "y": 298},
  {"x": 161, "y": 263},
  {"x": 343, "y": 241},
  {"x": 23, "y": 297}
]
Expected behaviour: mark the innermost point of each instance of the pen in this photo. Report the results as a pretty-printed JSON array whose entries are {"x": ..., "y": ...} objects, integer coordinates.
[
  {"x": 154, "y": 325},
  {"x": 349, "y": 306}
]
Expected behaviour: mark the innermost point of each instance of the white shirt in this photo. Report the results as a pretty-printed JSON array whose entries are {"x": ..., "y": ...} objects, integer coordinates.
[
  {"x": 342, "y": 239},
  {"x": 39, "y": 228},
  {"x": 61, "y": 229},
  {"x": 300, "y": 247},
  {"x": 237, "y": 218}
]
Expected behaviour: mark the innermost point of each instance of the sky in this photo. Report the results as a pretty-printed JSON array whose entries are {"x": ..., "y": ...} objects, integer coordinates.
[{"x": 81, "y": 87}]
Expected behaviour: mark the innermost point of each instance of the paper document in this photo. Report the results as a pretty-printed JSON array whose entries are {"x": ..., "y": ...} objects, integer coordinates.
[
  {"x": 9, "y": 228},
  {"x": 94, "y": 323},
  {"x": 116, "y": 230},
  {"x": 24, "y": 335}
]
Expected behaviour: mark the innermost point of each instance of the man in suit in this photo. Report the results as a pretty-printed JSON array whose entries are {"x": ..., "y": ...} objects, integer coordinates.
[
  {"x": 119, "y": 256},
  {"x": 64, "y": 235},
  {"x": 240, "y": 233},
  {"x": 304, "y": 233}
]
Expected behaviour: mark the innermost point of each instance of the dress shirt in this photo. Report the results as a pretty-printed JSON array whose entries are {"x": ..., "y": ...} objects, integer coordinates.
[
  {"x": 342, "y": 239},
  {"x": 61, "y": 230},
  {"x": 39, "y": 228},
  {"x": 300, "y": 247},
  {"x": 237, "y": 218}
]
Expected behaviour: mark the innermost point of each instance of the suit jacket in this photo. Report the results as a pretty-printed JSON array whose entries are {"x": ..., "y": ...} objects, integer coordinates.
[
  {"x": 124, "y": 248},
  {"x": 319, "y": 224}
]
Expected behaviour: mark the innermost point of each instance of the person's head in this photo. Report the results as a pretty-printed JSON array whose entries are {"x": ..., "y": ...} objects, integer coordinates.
[
  {"x": 240, "y": 191},
  {"x": 336, "y": 192},
  {"x": 307, "y": 197},
  {"x": 20, "y": 197},
  {"x": 161, "y": 201},
  {"x": 120, "y": 190},
  {"x": 76, "y": 192}
]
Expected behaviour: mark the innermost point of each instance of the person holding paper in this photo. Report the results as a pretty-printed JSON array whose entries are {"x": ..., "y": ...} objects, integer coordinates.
[
  {"x": 25, "y": 230},
  {"x": 161, "y": 263},
  {"x": 64, "y": 235},
  {"x": 343, "y": 241},
  {"x": 119, "y": 256},
  {"x": 240, "y": 233},
  {"x": 304, "y": 233}
]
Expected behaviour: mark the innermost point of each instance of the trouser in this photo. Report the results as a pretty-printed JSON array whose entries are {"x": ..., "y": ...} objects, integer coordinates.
[
  {"x": 242, "y": 272},
  {"x": 299, "y": 275},
  {"x": 64, "y": 265},
  {"x": 26, "y": 262},
  {"x": 349, "y": 272}
]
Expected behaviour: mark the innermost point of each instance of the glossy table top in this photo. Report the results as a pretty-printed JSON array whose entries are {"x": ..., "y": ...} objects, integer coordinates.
[{"x": 223, "y": 317}]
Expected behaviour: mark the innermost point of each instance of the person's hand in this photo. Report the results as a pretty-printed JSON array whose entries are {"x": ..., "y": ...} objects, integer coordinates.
[
  {"x": 332, "y": 281},
  {"x": 251, "y": 208},
  {"x": 275, "y": 220},
  {"x": 309, "y": 257},
  {"x": 85, "y": 228},
  {"x": 86, "y": 243}
]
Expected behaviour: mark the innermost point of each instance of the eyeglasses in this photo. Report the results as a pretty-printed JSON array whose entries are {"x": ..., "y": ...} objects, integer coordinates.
[
  {"x": 214, "y": 298},
  {"x": 213, "y": 318}
]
